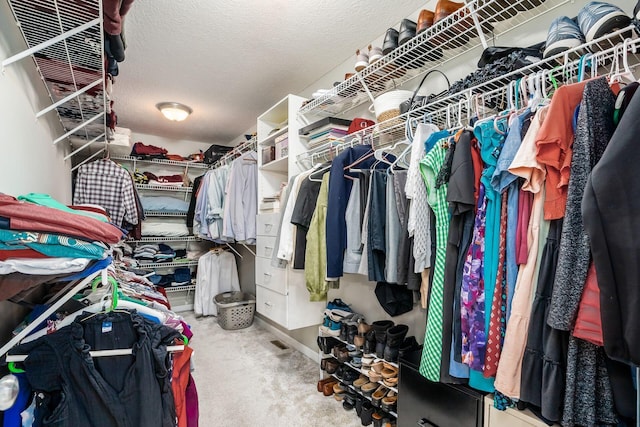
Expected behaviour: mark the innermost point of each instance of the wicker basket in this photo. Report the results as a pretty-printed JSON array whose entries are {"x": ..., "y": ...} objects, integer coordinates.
[{"x": 235, "y": 310}]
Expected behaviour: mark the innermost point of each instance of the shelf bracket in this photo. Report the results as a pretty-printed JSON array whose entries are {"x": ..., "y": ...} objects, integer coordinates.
[
  {"x": 73, "y": 153},
  {"x": 50, "y": 42},
  {"x": 476, "y": 22},
  {"x": 364, "y": 85},
  {"x": 36, "y": 322},
  {"x": 67, "y": 98},
  {"x": 77, "y": 128}
]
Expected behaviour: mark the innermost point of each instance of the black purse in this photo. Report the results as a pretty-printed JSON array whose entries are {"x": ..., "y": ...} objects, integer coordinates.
[{"x": 416, "y": 101}]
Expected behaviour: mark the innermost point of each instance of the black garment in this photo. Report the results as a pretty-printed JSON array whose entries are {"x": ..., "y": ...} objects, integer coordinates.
[
  {"x": 461, "y": 205},
  {"x": 376, "y": 244},
  {"x": 192, "y": 203},
  {"x": 301, "y": 217},
  {"x": 545, "y": 356},
  {"x": 393, "y": 298},
  {"x": 122, "y": 391}
]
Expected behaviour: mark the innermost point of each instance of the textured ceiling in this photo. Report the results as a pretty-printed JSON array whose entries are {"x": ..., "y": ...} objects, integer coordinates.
[{"x": 232, "y": 60}]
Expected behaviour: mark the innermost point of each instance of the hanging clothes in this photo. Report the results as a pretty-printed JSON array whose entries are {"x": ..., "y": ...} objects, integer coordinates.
[
  {"x": 301, "y": 217},
  {"x": 461, "y": 199},
  {"x": 107, "y": 391},
  {"x": 418, "y": 225},
  {"x": 376, "y": 247},
  {"x": 105, "y": 183},
  {"x": 316, "y": 256},
  {"x": 241, "y": 202},
  {"x": 393, "y": 231},
  {"x": 353, "y": 218},
  {"x": 595, "y": 128},
  {"x": 339, "y": 191},
  {"x": 437, "y": 198},
  {"x": 526, "y": 166},
  {"x": 217, "y": 273}
]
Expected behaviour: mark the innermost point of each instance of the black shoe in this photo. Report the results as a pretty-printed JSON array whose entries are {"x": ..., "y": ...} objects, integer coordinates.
[
  {"x": 370, "y": 342},
  {"x": 366, "y": 415},
  {"x": 407, "y": 31},
  {"x": 390, "y": 41},
  {"x": 360, "y": 399},
  {"x": 395, "y": 338},
  {"x": 410, "y": 344},
  {"x": 343, "y": 331},
  {"x": 350, "y": 376},
  {"x": 352, "y": 331}
]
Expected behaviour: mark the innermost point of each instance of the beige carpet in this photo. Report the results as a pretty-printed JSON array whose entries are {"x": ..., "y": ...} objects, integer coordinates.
[{"x": 245, "y": 380}]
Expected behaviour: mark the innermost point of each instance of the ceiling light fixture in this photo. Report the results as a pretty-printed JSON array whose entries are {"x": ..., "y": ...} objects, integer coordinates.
[{"x": 174, "y": 111}]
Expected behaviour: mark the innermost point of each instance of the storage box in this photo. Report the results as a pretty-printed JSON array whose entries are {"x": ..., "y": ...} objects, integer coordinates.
[
  {"x": 282, "y": 148},
  {"x": 268, "y": 155}
]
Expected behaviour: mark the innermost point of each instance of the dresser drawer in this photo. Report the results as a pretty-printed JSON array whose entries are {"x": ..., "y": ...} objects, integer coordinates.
[
  {"x": 270, "y": 277},
  {"x": 272, "y": 305},
  {"x": 265, "y": 245},
  {"x": 268, "y": 224}
]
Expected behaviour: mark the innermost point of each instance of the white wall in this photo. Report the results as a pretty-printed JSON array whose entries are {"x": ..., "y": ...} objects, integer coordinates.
[{"x": 29, "y": 161}]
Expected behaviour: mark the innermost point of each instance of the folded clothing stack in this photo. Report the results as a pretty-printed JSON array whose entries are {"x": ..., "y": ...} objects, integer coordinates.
[
  {"x": 41, "y": 240},
  {"x": 164, "y": 204},
  {"x": 167, "y": 180},
  {"x": 155, "y": 253},
  {"x": 180, "y": 277}
]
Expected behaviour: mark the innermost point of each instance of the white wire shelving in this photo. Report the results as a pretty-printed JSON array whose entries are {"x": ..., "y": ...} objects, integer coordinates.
[
  {"x": 461, "y": 32},
  {"x": 161, "y": 265},
  {"x": 165, "y": 214},
  {"x": 65, "y": 41},
  {"x": 151, "y": 187},
  {"x": 165, "y": 239},
  {"x": 183, "y": 164},
  {"x": 492, "y": 96}
]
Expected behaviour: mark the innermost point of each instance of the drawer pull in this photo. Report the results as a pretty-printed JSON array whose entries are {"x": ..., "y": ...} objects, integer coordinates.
[
  {"x": 426, "y": 423},
  {"x": 268, "y": 227},
  {"x": 268, "y": 304},
  {"x": 268, "y": 250}
]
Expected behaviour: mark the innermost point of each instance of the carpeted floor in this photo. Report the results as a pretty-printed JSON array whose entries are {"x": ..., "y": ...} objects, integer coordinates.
[{"x": 245, "y": 380}]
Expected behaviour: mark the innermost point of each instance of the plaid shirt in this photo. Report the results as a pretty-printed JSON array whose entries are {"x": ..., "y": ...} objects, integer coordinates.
[{"x": 105, "y": 183}]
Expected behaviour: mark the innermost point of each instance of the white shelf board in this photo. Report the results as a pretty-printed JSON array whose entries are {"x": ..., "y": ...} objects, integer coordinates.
[
  {"x": 270, "y": 140},
  {"x": 280, "y": 165}
]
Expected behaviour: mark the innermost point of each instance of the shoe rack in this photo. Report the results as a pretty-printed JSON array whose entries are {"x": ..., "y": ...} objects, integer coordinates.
[
  {"x": 322, "y": 355},
  {"x": 65, "y": 41},
  {"x": 450, "y": 39}
]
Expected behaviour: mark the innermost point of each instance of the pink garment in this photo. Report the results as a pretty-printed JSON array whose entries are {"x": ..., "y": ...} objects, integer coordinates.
[
  {"x": 29, "y": 216},
  {"x": 525, "y": 204},
  {"x": 527, "y": 166},
  {"x": 191, "y": 399},
  {"x": 113, "y": 11}
]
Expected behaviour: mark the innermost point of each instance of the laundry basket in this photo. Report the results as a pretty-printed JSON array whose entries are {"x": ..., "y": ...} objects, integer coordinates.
[{"x": 235, "y": 310}]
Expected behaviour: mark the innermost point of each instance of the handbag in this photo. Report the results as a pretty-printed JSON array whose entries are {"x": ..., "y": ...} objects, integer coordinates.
[{"x": 417, "y": 101}]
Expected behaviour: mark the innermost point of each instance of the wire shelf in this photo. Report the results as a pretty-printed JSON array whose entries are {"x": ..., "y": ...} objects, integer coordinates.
[
  {"x": 445, "y": 41},
  {"x": 166, "y": 214},
  {"x": 163, "y": 188},
  {"x": 64, "y": 40},
  {"x": 166, "y": 239},
  {"x": 159, "y": 265},
  {"x": 186, "y": 288},
  {"x": 491, "y": 96},
  {"x": 185, "y": 164}
]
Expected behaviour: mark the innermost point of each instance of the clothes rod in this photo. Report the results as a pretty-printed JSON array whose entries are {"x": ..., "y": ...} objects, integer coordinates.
[{"x": 96, "y": 353}]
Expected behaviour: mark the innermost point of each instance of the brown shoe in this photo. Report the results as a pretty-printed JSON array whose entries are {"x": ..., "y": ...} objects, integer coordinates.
[
  {"x": 445, "y": 8},
  {"x": 377, "y": 395},
  {"x": 455, "y": 35},
  {"x": 324, "y": 381},
  {"x": 425, "y": 20},
  {"x": 327, "y": 388}
]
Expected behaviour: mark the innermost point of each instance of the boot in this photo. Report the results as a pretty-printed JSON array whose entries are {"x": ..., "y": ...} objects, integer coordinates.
[
  {"x": 380, "y": 327},
  {"x": 352, "y": 331},
  {"x": 395, "y": 338},
  {"x": 410, "y": 344},
  {"x": 370, "y": 342}
]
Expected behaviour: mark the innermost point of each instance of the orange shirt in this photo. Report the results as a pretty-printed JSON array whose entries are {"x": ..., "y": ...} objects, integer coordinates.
[{"x": 554, "y": 142}]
